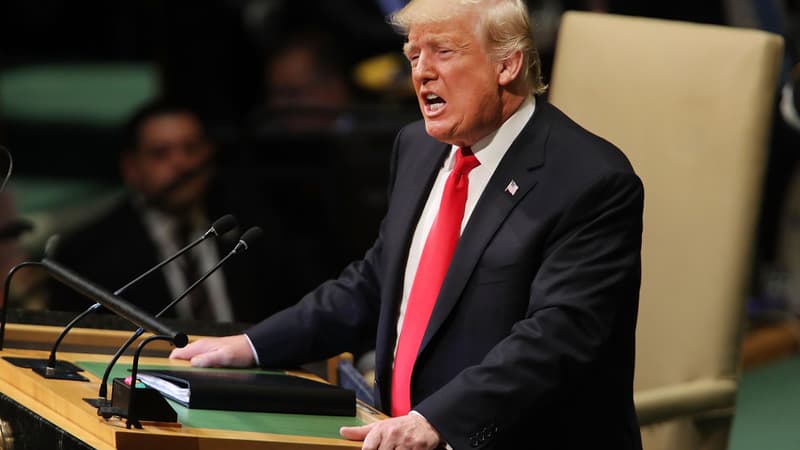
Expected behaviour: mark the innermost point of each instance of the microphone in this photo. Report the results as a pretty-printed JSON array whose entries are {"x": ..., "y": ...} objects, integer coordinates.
[
  {"x": 218, "y": 228},
  {"x": 118, "y": 305},
  {"x": 49, "y": 249},
  {"x": 6, "y": 165},
  {"x": 67, "y": 371},
  {"x": 247, "y": 239}
]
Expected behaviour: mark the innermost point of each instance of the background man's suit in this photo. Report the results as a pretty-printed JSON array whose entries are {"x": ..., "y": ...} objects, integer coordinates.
[
  {"x": 532, "y": 336},
  {"x": 117, "y": 247}
]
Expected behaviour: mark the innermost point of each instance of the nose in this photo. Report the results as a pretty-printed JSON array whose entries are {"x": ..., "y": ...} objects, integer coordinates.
[
  {"x": 179, "y": 158},
  {"x": 182, "y": 159},
  {"x": 423, "y": 69}
]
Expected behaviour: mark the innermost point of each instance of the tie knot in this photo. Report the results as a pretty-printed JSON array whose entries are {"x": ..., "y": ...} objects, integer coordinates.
[{"x": 465, "y": 161}]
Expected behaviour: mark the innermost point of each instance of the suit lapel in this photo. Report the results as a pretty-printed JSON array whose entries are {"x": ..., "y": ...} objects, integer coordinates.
[
  {"x": 519, "y": 165},
  {"x": 413, "y": 198}
]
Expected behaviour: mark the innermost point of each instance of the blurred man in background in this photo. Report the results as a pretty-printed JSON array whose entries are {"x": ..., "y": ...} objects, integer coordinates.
[{"x": 168, "y": 165}]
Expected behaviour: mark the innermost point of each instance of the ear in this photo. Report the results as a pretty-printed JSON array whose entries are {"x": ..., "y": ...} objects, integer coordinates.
[{"x": 510, "y": 68}]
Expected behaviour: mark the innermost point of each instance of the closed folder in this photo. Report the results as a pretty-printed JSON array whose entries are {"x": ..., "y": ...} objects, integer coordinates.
[{"x": 250, "y": 391}]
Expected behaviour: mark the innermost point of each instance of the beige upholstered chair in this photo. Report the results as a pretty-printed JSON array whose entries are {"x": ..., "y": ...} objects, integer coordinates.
[{"x": 691, "y": 107}]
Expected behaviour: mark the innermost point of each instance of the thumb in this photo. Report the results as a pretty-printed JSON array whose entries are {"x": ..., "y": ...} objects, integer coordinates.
[{"x": 356, "y": 433}]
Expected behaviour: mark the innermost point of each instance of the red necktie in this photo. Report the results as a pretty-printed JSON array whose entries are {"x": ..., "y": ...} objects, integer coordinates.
[{"x": 436, "y": 255}]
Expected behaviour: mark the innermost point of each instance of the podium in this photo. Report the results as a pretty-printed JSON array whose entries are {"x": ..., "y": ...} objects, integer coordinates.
[{"x": 56, "y": 407}]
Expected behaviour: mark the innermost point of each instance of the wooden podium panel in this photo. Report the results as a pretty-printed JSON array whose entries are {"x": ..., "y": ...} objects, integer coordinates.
[{"x": 61, "y": 403}]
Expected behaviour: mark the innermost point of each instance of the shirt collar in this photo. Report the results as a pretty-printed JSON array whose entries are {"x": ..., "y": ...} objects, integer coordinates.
[{"x": 490, "y": 149}]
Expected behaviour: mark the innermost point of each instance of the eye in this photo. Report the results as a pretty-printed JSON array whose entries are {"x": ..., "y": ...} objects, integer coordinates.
[{"x": 444, "y": 51}]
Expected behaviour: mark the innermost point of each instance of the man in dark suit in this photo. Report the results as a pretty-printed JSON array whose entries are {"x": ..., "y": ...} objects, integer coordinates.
[
  {"x": 528, "y": 340},
  {"x": 168, "y": 166}
]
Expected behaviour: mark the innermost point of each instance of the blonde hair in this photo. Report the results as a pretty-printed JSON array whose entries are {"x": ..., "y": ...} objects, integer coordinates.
[{"x": 505, "y": 25}]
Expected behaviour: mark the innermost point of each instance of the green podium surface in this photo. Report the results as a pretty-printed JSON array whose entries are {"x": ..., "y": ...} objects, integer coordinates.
[{"x": 292, "y": 424}]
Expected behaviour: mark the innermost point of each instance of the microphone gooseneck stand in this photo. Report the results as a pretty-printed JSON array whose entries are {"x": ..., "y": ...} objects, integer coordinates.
[
  {"x": 150, "y": 405},
  {"x": 134, "y": 403},
  {"x": 6, "y": 291},
  {"x": 103, "y": 387},
  {"x": 67, "y": 371}
]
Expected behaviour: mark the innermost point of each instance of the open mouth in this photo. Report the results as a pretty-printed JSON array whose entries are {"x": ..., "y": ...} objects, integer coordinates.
[{"x": 434, "y": 103}]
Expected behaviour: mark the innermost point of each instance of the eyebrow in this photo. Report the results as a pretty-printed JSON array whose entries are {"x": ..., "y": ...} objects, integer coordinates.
[
  {"x": 407, "y": 47},
  {"x": 436, "y": 42}
]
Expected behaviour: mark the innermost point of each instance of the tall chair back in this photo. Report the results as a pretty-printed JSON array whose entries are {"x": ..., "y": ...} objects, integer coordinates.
[{"x": 691, "y": 106}]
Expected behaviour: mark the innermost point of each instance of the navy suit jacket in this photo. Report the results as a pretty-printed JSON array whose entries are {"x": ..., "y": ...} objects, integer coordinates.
[{"x": 532, "y": 336}]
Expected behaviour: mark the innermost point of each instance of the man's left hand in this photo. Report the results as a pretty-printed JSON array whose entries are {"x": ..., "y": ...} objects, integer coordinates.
[{"x": 411, "y": 431}]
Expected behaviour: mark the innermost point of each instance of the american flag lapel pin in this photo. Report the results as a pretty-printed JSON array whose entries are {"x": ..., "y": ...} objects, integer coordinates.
[{"x": 512, "y": 187}]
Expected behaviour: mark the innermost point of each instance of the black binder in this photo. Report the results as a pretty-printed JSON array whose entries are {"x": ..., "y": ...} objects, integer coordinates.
[{"x": 252, "y": 391}]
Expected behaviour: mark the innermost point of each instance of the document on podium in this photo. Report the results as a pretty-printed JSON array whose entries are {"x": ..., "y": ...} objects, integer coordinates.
[
  {"x": 250, "y": 391},
  {"x": 176, "y": 390}
]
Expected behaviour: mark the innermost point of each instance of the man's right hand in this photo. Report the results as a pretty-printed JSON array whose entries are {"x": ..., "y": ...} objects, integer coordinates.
[{"x": 229, "y": 351}]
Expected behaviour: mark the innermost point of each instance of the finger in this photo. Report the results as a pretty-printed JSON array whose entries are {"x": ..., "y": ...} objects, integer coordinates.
[
  {"x": 183, "y": 353},
  {"x": 192, "y": 349},
  {"x": 373, "y": 439},
  {"x": 208, "y": 359},
  {"x": 356, "y": 433},
  {"x": 176, "y": 353}
]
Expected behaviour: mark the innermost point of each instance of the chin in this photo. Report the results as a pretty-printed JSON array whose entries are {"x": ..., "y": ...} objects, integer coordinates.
[{"x": 439, "y": 132}]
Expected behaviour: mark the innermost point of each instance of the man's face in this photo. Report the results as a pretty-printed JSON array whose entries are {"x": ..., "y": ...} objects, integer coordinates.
[
  {"x": 455, "y": 80},
  {"x": 170, "y": 146}
]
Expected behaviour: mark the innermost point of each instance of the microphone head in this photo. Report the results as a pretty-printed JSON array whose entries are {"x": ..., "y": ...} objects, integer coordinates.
[
  {"x": 249, "y": 237},
  {"x": 51, "y": 246},
  {"x": 6, "y": 164},
  {"x": 180, "y": 340},
  {"x": 224, "y": 224}
]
